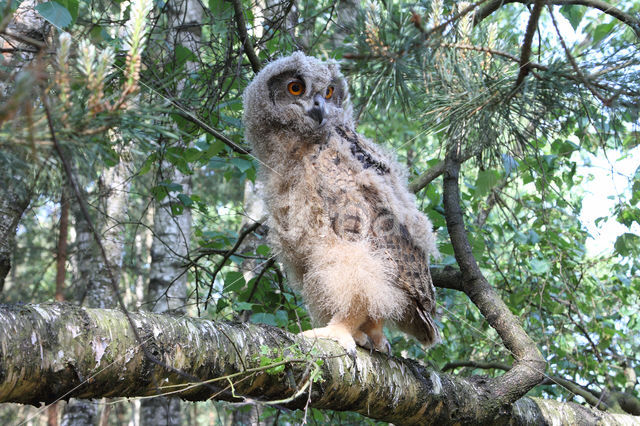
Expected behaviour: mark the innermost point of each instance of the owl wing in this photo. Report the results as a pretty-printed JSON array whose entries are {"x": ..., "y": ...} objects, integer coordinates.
[
  {"x": 357, "y": 212},
  {"x": 414, "y": 279}
]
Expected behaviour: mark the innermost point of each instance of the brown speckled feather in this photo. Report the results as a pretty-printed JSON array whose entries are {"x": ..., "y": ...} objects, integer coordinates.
[
  {"x": 356, "y": 211},
  {"x": 341, "y": 218}
]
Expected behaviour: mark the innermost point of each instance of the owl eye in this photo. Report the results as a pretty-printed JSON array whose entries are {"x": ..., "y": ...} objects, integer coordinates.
[
  {"x": 296, "y": 88},
  {"x": 329, "y": 92}
]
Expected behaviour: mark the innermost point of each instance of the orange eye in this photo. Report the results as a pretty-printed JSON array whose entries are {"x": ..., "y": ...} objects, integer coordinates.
[
  {"x": 296, "y": 88},
  {"x": 329, "y": 92}
]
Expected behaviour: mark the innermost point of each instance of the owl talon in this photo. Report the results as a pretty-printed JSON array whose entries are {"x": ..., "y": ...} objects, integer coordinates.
[{"x": 352, "y": 354}]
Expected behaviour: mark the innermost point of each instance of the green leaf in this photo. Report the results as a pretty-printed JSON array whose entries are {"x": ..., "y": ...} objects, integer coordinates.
[
  {"x": 146, "y": 166},
  {"x": 564, "y": 148},
  {"x": 192, "y": 154},
  {"x": 487, "y": 179},
  {"x": 214, "y": 149},
  {"x": 176, "y": 209},
  {"x": 163, "y": 189},
  {"x": 183, "y": 54},
  {"x": 276, "y": 370},
  {"x": 281, "y": 318},
  {"x": 233, "y": 281},
  {"x": 602, "y": 31},
  {"x": 72, "y": 7},
  {"x": 573, "y": 13},
  {"x": 242, "y": 164},
  {"x": 185, "y": 199},
  {"x": 243, "y": 306},
  {"x": 263, "y": 250},
  {"x": 627, "y": 244},
  {"x": 539, "y": 266},
  {"x": 55, "y": 13},
  {"x": 264, "y": 318}
]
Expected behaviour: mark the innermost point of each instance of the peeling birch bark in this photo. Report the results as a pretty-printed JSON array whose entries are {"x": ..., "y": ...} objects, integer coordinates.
[
  {"x": 13, "y": 203},
  {"x": 57, "y": 350},
  {"x": 172, "y": 233},
  {"x": 15, "y": 198}
]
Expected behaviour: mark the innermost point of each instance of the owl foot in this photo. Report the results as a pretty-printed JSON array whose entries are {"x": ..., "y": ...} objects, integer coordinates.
[
  {"x": 380, "y": 344},
  {"x": 362, "y": 339},
  {"x": 337, "y": 332},
  {"x": 375, "y": 334}
]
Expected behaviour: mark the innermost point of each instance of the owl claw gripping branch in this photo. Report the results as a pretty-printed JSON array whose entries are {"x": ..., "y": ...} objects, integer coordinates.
[{"x": 341, "y": 219}]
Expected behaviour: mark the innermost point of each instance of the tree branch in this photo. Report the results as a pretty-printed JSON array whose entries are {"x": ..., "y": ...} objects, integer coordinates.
[
  {"x": 446, "y": 278},
  {"x": 430, "y": 175},
  {"x": 57, "y": 351},
  {"x": 572, "y": 387},
  {"x": 426, "y": 178},
  {"x": 529, "y": 366},
  {"x": 493, "y": 197},
  {"x": 603, "y": 6},
  {"x": 244, "y": 37},
  {"x": 576, "y": 67},
  {"x": 525, "y": 53},
  {"x": 249, "y": 229},
  {"x": 204, "y": 126}
]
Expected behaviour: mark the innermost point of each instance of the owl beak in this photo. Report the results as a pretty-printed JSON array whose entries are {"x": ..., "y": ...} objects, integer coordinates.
[{"x": 317, "y": 112}]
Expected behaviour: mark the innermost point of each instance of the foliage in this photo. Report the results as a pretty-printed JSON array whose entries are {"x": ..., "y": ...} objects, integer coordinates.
[{"x": 424, "y": 77}]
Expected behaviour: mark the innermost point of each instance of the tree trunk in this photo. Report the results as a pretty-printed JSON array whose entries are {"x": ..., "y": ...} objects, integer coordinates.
[
  {"x": 58, "y": 350},
  {"x": 13, "y": 203},
  {"x": 170, "y": 247},
  {"x": 92, "y": 268},
  {"x": 61, "y": 256},
  {"x": 15, "y": 198}
]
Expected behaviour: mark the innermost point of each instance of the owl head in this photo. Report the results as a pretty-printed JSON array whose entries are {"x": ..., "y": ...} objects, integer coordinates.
[{"x": 297, "y": 94}]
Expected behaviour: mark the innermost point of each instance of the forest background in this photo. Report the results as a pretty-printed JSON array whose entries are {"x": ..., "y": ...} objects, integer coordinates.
[{"x": 126, "y": 183}]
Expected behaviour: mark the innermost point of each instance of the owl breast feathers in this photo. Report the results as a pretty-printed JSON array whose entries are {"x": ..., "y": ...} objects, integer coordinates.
[{"x": 341, "y": 219}]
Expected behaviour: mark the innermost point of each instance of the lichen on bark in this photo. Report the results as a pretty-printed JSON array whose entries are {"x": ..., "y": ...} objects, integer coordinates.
[{"x": 55, "y": 351}]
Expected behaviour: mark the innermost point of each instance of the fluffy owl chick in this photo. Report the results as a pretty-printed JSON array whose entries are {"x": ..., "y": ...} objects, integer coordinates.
[{"x": 341, "y": 219}]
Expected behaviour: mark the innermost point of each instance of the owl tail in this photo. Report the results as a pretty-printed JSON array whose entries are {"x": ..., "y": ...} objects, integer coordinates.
[{"x": 429, "y": 333}]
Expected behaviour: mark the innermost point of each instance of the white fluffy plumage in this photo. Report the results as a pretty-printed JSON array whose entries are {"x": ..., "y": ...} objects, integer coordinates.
[{"x": 341, "y": 218}]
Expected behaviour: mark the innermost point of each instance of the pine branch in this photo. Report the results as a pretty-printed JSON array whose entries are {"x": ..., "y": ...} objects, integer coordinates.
[
  {"x": 603, "y": 6},
  {"x": 525, "y": 53},
  {"x": 529, "y": 366}
]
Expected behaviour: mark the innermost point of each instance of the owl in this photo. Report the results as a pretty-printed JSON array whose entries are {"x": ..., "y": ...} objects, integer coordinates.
[{"x": 341, "y": 218}]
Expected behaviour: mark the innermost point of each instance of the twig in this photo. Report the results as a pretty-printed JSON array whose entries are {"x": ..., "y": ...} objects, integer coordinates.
[
  {"x": 267, "y": 265},
  {"x": 525, "y": 53},
  {"x": 594, "y": 398},
  {"x": 431, "y": 174},
  {"x": 426, "y": 178},
  {"x": 603, "y": 6},
  {"x": 204, "y": 126},
  {"x": 227, "y": 255},
  {"x": 492, "y": 198},
  {"x": 576, "y": 68},
  {"x": 460, "y": 14},
  {"x": 26, "y": 39},
  {"x": 244, "y": 37}
]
